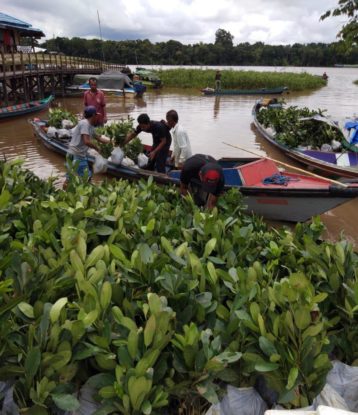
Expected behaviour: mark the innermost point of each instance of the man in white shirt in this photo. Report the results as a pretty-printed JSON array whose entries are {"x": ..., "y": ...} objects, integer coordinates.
[{"x": 182, "y": 148}]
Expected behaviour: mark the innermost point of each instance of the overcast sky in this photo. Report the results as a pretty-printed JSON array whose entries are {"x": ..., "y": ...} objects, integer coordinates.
[{"x": 188, "y": 21}]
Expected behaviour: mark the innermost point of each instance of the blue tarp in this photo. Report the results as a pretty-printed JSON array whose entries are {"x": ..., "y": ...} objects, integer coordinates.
[{"x": 353, "y": 135}]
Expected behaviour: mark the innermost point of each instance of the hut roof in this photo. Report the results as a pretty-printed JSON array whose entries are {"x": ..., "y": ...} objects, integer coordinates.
[{"x": 25, "y": 29}]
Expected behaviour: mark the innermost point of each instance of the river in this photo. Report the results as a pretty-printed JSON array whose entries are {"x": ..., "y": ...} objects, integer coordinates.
[{"x": 209, "y": 121}]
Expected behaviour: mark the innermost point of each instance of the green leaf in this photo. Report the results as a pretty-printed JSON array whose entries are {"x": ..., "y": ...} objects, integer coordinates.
[
  {"x": 66, "y": 402},
  {"x": 212, "y": 273},
  {"x": 204, "y": 299},
  {"x": 26, "y": 309},
  {"x": 56, "y": 309},
  {"x": 32, "y": 363},
  {"x": 155, "y": 305},
  {"x": 104, "y": 230},
  {"x": 313, "y": 331},
  {"x": 207, "y": 390},
  {"x": 4, "y": 198},
  {"x": 266, "y": 366},
  {"x": 292, "y": 378},
  {"x": 209, "y": 247},
  {"x": 146, "y": 254},
  {"x": 146, "y": 408},
  {"x": 107, "y": 392},
  {"x": 149, "y": 331},
  {"x": 266, "y": 346},
  {"x": 319, "y": 297},
  {"x": 302, "y": 318}
]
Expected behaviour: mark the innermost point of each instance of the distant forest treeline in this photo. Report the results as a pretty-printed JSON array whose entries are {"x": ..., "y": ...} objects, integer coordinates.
[{"x": 222, "y": 52}]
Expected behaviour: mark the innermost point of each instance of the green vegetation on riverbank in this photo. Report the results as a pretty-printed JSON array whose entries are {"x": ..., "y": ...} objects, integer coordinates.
[
  {"x": 356, "y": 82},
  {"x": 230, "y": 79},
  {"x": 222, "y": 52},
  {"x": 132, "y": 295}
]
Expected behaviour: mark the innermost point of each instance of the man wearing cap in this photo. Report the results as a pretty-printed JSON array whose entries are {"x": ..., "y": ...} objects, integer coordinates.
[
  {"x": 95, "y": 97},
  {"x": 204, "y": 177},
  {"x": 81, "y": 142},
  {"x": 161, "y": 141}
]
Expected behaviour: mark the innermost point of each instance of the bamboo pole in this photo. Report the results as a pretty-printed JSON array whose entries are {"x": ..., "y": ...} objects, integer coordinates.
[{"x": 288, "y": 165}]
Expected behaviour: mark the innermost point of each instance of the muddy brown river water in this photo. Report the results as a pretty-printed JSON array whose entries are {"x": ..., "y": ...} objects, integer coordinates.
[{"x": 209, "y": 121}]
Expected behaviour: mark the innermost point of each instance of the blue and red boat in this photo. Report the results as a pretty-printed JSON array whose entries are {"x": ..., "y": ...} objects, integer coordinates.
[
  {"x": 266, "y": 191},
  {"x": 25, "y": 108}
]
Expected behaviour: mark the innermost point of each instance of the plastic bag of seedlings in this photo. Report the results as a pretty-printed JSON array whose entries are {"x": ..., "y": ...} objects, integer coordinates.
[
  {"x": 100, "y": 164},
  {"x": 67, "y": 124},
  {"x": 239, "y": 401},
  {"x": 51, "y": 132},
  {"x": 127, "y": 162},
  {"x": 117, "y": 155},
  {"x": 142, "y": 160}
]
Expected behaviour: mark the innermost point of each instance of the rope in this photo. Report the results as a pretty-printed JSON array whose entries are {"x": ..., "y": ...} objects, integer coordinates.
[{"x": 279, "y": 179}]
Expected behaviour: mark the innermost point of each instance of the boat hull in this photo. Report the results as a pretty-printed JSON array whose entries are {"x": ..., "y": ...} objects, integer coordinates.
[
  {"x": 26, "y": 108},
  {"x": 261, "y": 91},
  {"x": 307, "y": 158},
  {"x": 283, "y": 203}
]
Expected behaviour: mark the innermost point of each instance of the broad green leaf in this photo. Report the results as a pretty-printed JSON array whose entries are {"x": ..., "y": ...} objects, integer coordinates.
[
  {"x": 302, "y": 318},
  {"x": 209, "y": 247},
  {"x": 32, "y": 363},
  {"x": 56, "y": 309},
  {"x": 313, "y": 331},
  {"x": 107, "y": 392},
  {"x": 5, "y": 197},
  {"x": 26, "y": 309},
  {"x": 155, "y": 305},
  {"x": 146, "y": 254},
  {"x": 66, "y": 402},
  {"x": 149, "y": 330},
  {"x": 266, "y": 346},
  {"x": 104, "y": 230},
  {"x": 207, "y": 390},
  {"x": 212, "y": 273},
  {"x": 266, "y": 366},
  {"x": 292, "y": 378}
]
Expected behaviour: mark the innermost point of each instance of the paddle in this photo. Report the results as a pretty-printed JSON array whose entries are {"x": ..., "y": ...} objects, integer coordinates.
[{"x": 287, "y": 165}]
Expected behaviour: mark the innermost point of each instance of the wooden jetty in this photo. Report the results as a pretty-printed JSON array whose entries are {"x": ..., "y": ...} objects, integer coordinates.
[{"x": 29, "y": 76}]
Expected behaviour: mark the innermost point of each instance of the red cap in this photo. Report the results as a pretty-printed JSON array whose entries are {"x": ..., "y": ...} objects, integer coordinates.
[{"x": 210, "y": 175}]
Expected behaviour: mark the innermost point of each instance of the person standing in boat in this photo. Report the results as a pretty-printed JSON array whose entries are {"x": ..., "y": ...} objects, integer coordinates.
[
  {"x": 218, "y": 80},
  {"x": 95, "y": 97},
  {"x": 203, "y": 177},
  {"x": 161, "y": 141},
  {"x": 81, "y": 142},
  {"x": 181, "y": 143}
]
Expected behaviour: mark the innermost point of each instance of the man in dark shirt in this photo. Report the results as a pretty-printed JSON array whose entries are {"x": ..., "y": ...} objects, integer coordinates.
[
  {"x": 204, "y": 177},
  {"x": 161, "y": 141}
]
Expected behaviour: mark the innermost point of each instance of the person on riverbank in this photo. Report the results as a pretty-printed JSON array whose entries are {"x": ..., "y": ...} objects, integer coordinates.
[
  {"x": 203, "y": 177},
  {"x": 181, "y": 143},
  {"x": 161, "y": 141},
  {"x": 95, "y": 97},
  {"x": 218, "y": 80},
  {"x": 81, "y": 142}
]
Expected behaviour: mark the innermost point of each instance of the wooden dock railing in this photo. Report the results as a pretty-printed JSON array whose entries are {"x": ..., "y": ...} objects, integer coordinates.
[{"x": 12, "y": 64}]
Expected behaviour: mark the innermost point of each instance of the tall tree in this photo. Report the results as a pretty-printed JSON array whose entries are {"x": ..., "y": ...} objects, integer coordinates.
[
  {"x": 349, "y": 31},
  {"x": 224, "y": 38}
]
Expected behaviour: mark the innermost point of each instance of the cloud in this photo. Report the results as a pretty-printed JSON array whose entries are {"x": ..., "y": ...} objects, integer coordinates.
[{"x": 188, "y": 21}]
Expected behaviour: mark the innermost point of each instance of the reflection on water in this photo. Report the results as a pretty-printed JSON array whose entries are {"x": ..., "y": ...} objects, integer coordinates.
[
  {"x": 209, "y": 120},
  {"x": 216, "y": 106}
]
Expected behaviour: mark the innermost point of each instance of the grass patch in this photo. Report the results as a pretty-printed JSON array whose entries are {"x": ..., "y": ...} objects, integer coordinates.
[
  {"x": 230, "y": 79},
  {"x": 356, "y": 82}
]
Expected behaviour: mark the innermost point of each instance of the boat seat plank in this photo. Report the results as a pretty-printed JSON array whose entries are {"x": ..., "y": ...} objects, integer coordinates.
[{"x": 254, "y": 172}]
